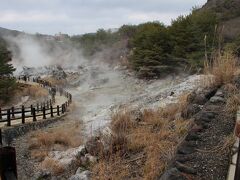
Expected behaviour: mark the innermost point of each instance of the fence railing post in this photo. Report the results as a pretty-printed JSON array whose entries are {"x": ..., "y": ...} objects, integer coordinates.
[
  {"x": 1, "y": 137},
  {"x": 58, "y": 112},
  {"x": 34, "y": 115},
  {"x": 66, "y": 104},
  {"x": 23, "y": 115},
  {"x": 31, "y": 109},
  {"x": 47, "y": 104},
  {"x": 13, "y": 115},
  {"x": 62, "y": 108},
  {"x": 37, "y": 107},
  {"x": 51, "y": 109},
  {"x": 8, "y": 117},
  {"x": 44, "y": 112},
  {"x": 0, "y": 113}
]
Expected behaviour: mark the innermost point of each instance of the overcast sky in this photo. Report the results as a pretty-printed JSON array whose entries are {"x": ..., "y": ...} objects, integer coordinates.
[{"x": 82, "y": 16}]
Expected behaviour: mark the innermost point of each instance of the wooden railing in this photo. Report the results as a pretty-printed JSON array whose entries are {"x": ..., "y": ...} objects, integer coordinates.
[{"x": 40, "y": 110}]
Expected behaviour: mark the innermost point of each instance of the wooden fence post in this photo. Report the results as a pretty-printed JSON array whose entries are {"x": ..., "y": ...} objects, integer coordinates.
[
  {"x": 47, "y": 105},
  {"x": 13, "y": 116},
  {"x": 1, "y": 137},
  {"x": 50, "y": 102},
  {"x": 23, "y": 115},
  {"x": 34, "y": 115},
  {"x": 31, "y": 109},
  {"x": 51, "y": 111},
  {"x": 66, "y": 104},
  {"x": 37, "y": 107},
  {"x": 58, "y": 113},
  {"x": 62, "y": 108},
  {"x": 44, "y": 112},
  {"x": 0, "y": 113},
  {"x": 8, "y": 117}
]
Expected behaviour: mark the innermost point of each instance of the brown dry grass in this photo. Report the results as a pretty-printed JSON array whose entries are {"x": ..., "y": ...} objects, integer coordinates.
[
  {"x": 233, "y": 99},
  {"x": 59, "y": 139},
  {"x": 33, "y": 91},
  {"x": 223, "y": 67},
  {"x": 153, "y": 141},
  {"x": 233, "y": 103},
  {"x": 113, "y": 169},
  {"x": 52, "y": 165},
  {"x": 55, "y": 81}
]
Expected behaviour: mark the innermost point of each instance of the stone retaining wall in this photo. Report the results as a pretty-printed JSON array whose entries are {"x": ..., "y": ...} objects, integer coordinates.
[{"x": 195, "y": 157}]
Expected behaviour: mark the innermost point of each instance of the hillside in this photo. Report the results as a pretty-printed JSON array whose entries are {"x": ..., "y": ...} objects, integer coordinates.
[{"x": 228, "y": 11}]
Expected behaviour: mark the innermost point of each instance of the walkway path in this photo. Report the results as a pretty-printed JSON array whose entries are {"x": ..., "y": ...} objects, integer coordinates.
[{"x": 59, "y": 100}]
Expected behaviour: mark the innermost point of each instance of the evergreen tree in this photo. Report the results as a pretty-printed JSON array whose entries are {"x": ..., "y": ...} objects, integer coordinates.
[{"x": 7, "y": 82}]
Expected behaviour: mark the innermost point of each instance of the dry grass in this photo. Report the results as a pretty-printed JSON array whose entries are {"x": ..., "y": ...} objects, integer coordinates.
[
  {"x": 59, "y": 139},
  {"x": 52, "y": 165},
  {"x": 33, "y": 91},
  {"x": 39, "y": 155},
  {"x": 223, "y": 67},
  {"x": 230, "y": 88},
  {"x": 121, "y": 121},
  {"x": 233, "y": 100},
  {"x": 153, "y": 140},
  {"x": 113, "y": 169},
  {"x": 233, "y": 103},
  {"x": 55, "y": 81}
]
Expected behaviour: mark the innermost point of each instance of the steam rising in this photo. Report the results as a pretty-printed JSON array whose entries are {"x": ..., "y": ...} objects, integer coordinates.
[{"x": 34, "y": 51}]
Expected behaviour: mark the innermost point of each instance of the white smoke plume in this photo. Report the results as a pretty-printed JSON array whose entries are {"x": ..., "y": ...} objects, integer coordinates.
[{"x": 34, "y": 51}]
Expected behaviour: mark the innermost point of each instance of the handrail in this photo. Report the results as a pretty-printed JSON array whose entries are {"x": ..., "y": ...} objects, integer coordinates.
[{"x": 40, "y": 109}]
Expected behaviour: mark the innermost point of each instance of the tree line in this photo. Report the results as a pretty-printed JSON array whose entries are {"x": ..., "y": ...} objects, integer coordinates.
[{"x": 156, "y": 49}]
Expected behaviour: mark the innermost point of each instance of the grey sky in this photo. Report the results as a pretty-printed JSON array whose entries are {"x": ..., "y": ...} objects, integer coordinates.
[{"x": 81, "y": 16}]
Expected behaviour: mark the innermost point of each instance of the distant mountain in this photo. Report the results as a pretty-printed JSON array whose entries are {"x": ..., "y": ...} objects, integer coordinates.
[
  {"x": 8, "y": 32},
  {"x": 228, "y": 11}
]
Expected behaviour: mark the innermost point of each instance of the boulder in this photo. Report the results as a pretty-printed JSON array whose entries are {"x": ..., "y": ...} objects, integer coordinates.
[
  {"x": 83, "y": 175},
  {"x": 199, "y": 99},
  {"x": 186, "y": 150},
  {"x": 173, "y": 174},
  {"x": 79, "y": 170},
  {"x": 204, "y": 116},
  {"x": 43, "y": 174},
  {"x": 217, "y": 99},
  {"x": 219, "y": 93},
  {"x": 185, "y": 169},
  {"x": 183, "y": 158},
  {"x": 90, "y": 158},
  {"x": 192, "y": 137},
  {"x": 197, "y": 128},
  {"x": 191, "y": 110},
  {"x": 87, "y": 160}
]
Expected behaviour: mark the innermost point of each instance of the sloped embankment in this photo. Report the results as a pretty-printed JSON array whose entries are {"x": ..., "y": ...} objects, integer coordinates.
[{"x": 205, "y": 152}]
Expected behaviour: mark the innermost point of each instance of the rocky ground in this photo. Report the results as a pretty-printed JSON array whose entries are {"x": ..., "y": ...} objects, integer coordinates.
[
  {"x": 206, "y": 152},
  {"x": 97, "y": 91}
]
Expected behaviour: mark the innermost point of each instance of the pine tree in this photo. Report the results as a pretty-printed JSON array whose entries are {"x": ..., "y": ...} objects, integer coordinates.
[{"x": 7, "y": 82}]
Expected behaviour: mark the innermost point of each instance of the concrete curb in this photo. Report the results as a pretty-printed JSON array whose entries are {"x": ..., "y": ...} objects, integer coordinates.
[{"x": 232, "y": 167}]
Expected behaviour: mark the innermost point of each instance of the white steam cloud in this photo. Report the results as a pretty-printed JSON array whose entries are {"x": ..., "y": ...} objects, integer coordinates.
[{"x": 34, "y": 51}]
